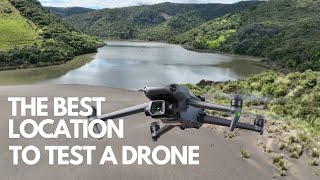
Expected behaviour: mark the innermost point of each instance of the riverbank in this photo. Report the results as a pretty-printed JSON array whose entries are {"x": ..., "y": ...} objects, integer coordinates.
[
  {"x": 264, "y": 61},
  {"x": 35, "y": 74}
]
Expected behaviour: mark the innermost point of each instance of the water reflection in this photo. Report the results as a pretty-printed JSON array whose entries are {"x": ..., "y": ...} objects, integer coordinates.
[{"x": 133, "y": 65}]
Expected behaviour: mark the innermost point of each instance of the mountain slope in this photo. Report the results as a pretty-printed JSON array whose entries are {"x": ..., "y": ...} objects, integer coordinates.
[
  {"x": 15, "y": 30},
  {"x": 286, "y": 32},
  {"x": 37, "y": 37},
  {"x": 154, "y": 22},
  {"x": 68, "y": 11}
]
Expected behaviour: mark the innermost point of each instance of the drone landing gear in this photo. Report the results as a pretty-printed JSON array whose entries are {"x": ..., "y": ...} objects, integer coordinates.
[{"x": 156, "y": 131}]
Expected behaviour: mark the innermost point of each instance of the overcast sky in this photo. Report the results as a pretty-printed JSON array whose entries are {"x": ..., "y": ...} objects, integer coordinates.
[{"x": 120, "y": 3}]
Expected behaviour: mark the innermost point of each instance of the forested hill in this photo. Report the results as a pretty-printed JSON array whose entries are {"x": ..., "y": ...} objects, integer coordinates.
[
  {"x": 32, "y": 36},
  {"x": 68, "y": 11},
  {"x": 152, "y": 22},
  {"x": 286, "y": 32}
]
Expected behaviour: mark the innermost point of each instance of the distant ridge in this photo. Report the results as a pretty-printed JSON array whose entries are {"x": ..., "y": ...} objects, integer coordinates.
[{"x": 68, "y": 11}]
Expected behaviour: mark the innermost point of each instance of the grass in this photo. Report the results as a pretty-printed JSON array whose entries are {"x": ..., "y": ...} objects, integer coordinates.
[
  {"x": 276, "y": 159},
  {"x": 31, "y": 75},
  {"x": 294, "y": 154},
  {"x": 245, "y": 154},
  {"x": 222, "y": 38},
  {"x": 292, "y": 139},
  {"x": 282, "y": 173},
  {"x": 282, "y": 146},
  {"x": 315, "y": 153},
  {"x": 283, "y": 165},
  {"x": 15, "y": 30},
  {"x": 295, "y": 150},
  {"x": 313, "y": 162}
]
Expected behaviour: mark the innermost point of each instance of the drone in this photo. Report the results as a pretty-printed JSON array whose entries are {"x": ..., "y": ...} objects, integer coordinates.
[{"x": 175, "y": 106}]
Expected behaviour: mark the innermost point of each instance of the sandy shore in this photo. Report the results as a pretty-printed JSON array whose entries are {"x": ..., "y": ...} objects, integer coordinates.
[{"x": 220, "y": 158}]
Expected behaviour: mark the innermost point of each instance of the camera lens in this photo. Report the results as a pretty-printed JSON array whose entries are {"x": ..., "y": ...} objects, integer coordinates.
[{"x": 156, "y": 107}]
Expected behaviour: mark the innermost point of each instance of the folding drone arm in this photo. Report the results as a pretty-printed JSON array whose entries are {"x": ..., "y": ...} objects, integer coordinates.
[
  {"x": 124, "y": 112},
  {"x": 257, "y": 126},
  {"x": 235, "y": 108},
  {"x": 117, "y": 114}
]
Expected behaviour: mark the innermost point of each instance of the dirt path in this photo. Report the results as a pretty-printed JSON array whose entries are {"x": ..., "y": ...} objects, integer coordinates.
[{"x": 220, "y": 158}]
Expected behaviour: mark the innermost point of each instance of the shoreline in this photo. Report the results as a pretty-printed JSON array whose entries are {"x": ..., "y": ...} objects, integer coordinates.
[
  {"x": 253, "y": 58},
  {"x": 31, "y": 75},
  {"x": 262, "y": 60}
]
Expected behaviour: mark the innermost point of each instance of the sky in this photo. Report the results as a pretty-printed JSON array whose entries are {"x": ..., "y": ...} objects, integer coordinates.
[{"x": 99, "y": 4}]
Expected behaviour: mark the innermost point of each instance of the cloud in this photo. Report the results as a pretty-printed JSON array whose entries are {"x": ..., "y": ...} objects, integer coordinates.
[{"x": 98, "y": 4}]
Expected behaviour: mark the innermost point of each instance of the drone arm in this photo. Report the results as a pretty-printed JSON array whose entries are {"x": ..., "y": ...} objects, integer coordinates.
[
  {"x": 224, "y": 122},
  {"x": 124, "y": 112},
  {"x": 205, "y": 105},
  {"x": 117, "y": 114}
]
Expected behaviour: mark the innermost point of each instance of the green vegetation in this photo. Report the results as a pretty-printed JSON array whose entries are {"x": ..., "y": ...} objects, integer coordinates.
[
  {"x": 315, "y": 153},
  {"x": 37, "y": 37},
  {"x": 313, "y": 162},
  {"x": 282, "y": 146},
  {"x": 245, "y": 154},
  {"x": 15, "y": 30},
  {"x": 281, "y": 163},
  {"x": 285, "y": 32},
  {"x": 276, "y": 159},
  {"x": 162, "y": 22},
  {"x": 295, "y": 96},
  {"x": 68, "y": 11}
]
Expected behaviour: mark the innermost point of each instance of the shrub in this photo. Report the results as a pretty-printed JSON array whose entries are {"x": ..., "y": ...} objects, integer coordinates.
[
  {"x": 282, "y": 146},
  {"x": 315, "y": 153},
  {"x": 313, "y": 162},
  {"x": 283, "y": 165},
  {"x": 245, "y": 154},
  {"x": 276, "y": 159}
]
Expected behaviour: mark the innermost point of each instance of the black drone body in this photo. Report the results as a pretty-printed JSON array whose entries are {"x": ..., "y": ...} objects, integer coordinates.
[{"x": 175, "y": 106}]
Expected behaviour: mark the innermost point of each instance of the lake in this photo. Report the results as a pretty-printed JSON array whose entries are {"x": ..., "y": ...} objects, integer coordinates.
[{"x": 136, "y": 64}]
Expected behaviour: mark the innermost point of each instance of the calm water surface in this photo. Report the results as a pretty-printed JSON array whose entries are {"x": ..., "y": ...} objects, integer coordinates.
[{"x": 134, "y": 65}]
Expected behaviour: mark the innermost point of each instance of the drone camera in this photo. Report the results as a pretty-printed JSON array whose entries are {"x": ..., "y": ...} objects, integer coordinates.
[{"x": 156, "y": 108}]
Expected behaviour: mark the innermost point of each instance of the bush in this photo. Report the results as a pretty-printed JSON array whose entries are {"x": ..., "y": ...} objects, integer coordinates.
[{"x": 245, "y": 154}]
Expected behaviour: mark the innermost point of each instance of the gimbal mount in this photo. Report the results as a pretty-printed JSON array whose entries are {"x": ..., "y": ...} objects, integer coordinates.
[{"x": 175, "y": 106}]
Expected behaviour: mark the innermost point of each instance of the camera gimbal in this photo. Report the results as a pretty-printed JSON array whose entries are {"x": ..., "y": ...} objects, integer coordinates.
[{"x": 175, "y": 106}]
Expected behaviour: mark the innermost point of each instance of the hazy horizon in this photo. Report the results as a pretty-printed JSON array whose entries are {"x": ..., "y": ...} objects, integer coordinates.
[{"x": 100, "y": 4}]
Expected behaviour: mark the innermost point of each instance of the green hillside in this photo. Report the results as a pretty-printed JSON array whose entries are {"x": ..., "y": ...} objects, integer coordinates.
[
  {"x": 295, "y": 96},
  {"x": 154, "y": 22},
  {"x": 289, "y": 104},
  {"x": 286, "y": 32},
  {"x": 15, "y": 30},
  {"x": 32, "y": 36},
  {"x": 68, "y": 11}
]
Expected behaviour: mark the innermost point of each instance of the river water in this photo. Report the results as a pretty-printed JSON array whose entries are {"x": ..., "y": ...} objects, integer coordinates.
[{"x": 136, "y": 64}]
